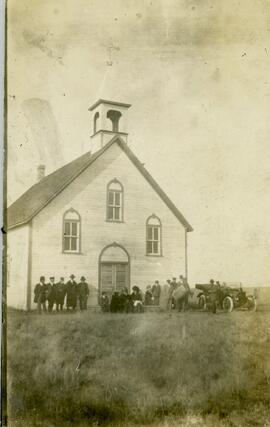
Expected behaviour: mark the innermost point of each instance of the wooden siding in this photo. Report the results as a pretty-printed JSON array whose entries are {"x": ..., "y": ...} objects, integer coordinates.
[
  {"x": 87, "y": 194},
  {"x": 17, "y": 269}
]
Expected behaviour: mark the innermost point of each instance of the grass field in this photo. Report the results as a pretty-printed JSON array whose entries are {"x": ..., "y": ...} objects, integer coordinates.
[{"x": 152, "y": 369}]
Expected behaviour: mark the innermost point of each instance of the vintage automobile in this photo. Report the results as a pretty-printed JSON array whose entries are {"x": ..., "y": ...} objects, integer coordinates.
[{"x": 225, "y": 297}]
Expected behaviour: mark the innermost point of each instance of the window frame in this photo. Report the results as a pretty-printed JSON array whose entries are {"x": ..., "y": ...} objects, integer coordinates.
[
  {"x": 114, "y": 206},
  {"x": 79, "y": 232},
  {"x": 159, "y": 227}
]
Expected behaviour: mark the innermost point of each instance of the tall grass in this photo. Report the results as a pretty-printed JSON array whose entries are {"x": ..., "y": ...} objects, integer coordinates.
[{"x": 147, "y": 369}]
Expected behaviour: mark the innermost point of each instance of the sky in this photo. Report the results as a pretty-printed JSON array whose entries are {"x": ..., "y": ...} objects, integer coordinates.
[{"x": 197, "y": 74}]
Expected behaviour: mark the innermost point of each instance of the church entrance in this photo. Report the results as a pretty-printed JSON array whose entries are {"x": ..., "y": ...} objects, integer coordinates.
[{"x": 114, "y": 269}]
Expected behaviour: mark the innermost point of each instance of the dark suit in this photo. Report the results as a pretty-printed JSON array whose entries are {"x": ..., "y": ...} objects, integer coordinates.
[
  {"x": 59, "y": 290},
  {"x": 72, "y": 294},
  {"x": 40, "y": 296},
  {"x": 83, "y": 292},
  {"x": 50, "y": 296}
]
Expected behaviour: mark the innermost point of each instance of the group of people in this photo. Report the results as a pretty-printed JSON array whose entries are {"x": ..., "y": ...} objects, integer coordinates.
[
  {"x": 48, "y": 295},
  {"x": 123, "y": 301},
  {"x": 174, "y": 295}
]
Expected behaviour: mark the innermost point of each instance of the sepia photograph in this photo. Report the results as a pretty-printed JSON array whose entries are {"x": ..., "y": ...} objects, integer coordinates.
[{"x": 136, "y": 232}]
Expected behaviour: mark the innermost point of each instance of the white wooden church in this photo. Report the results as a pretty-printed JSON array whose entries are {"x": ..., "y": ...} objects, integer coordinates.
[{"x": 101, "y": 216}]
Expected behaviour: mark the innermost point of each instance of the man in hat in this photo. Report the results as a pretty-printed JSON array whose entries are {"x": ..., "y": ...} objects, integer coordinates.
[
  {"x": 72, "y": 293},
  {"x": 83, "y": 292},
  {"x": 156, "y": 292},
  {"x": 148, "y": 297},
  {"x": 174, "y": 283},
  {"x": 60, "y": 293},
  {"x": 50, "y": 294},
  {"x": 40, "y": 295}
]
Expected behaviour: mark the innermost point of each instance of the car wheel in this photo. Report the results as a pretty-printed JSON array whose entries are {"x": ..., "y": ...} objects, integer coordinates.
[
  {"x": 202, "y": 302},
  {"x": 227, "y": 304},
  {"x": 252, "y": 304}
]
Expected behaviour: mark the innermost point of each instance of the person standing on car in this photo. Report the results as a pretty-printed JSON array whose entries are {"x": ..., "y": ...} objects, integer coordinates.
[{"x": 212, "y": 292}]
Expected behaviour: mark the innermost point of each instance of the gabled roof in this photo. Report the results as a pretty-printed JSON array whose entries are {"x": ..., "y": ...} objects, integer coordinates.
[{"x": 43, "y": 192}]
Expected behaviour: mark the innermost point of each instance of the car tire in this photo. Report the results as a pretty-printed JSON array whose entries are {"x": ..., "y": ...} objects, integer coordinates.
[
  {"x": 227, "y": 304},
  {"x": 202, "y": 302},
  {"x": 252, "y": 304}
]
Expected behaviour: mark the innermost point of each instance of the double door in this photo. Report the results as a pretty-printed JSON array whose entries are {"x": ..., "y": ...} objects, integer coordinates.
[{"x": 114, "y": 277}]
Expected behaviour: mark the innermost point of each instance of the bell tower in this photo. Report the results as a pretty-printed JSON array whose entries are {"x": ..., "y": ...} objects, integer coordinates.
[{"x": 109, "y": 118}]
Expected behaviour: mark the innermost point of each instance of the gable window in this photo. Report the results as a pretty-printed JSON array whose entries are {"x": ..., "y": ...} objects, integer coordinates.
[
  {"x": 115, "y": 201},
  {"x": 153, "y": 236},
  {"x": 71, "y": 232}
]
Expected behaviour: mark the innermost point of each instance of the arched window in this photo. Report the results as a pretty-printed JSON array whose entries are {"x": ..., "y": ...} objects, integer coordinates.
[
  {"x": 153, "y": 236},
  {"x": 71, "y": 232},
  {"x": 115, "y": 195},
  {"x": 96, "y": 117},
  {"x": 114, "y": 116}
]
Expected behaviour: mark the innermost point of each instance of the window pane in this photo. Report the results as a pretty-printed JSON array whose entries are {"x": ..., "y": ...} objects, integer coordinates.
[
  {"x": 110, "y": 197},
  {"x": 110, "y": 213},
  {"x": 117, "y": 199},
  {"x": 67, "y": 228},
  {"x": 66, "y": 243},
  {"x": 149, "y": 247},
  {"x": 149, "y": 233},
  {"x": 73, "y": 243},
  {"x": 155, "y": 233},
  {"x": 155, "y": 247},
  {"x": 117, "y": 213},
  {"x": 74, "y": 228}
]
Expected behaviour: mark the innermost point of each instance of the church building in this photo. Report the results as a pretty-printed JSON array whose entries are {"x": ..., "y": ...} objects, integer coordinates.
[{"x": 102, "y": 216}]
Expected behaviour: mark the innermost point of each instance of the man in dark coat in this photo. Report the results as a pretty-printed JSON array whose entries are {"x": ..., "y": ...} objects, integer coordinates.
[
  {"x": 123, "y": 300},
  {"x": 114, "y": 305},
  {"x": 40, "y": 295},
  {"x": 148, "y": 297},
  {"x": 72, "y": 293},
  {"x": 83, "y": 292},
  {"x": 50, "y": 294},
  {"x": 59, "y": 293}
]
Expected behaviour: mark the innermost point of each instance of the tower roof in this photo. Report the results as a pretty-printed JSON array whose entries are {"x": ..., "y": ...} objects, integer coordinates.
[{"x": 104, "y": 101}]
